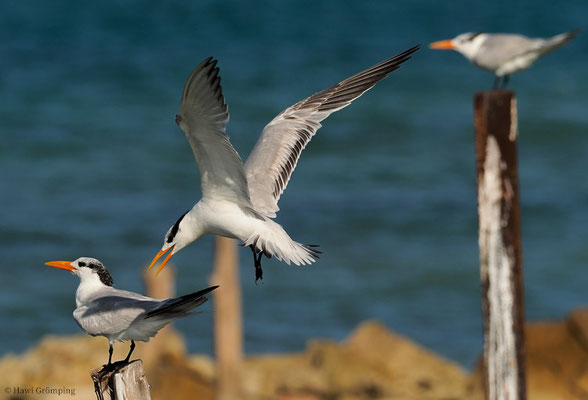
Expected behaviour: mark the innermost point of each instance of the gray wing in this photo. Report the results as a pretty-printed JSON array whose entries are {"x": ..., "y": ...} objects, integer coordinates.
[
  {"x": 113, "y": 312},
  {"x": 500, "y": 48},
  {"x": 278, "y": 149},
  {"x": 203, "y": 118}
]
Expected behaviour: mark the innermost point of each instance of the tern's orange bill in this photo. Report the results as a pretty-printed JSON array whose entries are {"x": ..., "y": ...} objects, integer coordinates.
[
  {"x": 165, "y": 260},
  {"x": 61, "y": 264},
  {"x": 442, "y": 45}
]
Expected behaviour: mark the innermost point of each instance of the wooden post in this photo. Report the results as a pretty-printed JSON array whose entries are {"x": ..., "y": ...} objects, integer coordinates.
[
  {"x": 126, "y": 381},
  {"x": 228, "y": 328},
  {"x": 501, "y": 271}
]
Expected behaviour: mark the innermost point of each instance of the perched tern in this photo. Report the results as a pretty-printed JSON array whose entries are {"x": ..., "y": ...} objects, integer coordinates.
[
  {"x": 502, "y": 53},
  {"x": 118, "y": 315},
  {"x": 239, "y": 201}
]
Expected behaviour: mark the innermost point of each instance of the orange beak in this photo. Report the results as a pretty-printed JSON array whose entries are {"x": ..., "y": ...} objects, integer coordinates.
[
  {"x": 61, "y": 264},
  {"x": 442, "y": 45},
  {"x": 165, "y": 260}
]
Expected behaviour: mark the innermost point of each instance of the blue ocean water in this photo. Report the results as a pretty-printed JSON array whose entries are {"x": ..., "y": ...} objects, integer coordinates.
[{"x": 93, "y": 164}]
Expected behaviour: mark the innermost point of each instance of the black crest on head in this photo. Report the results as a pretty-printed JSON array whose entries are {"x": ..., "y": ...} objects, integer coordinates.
[
  {"x": 473, "y": 36},
  {"x": 174, "y": 229},
  {"x": 102, "y": 272}
]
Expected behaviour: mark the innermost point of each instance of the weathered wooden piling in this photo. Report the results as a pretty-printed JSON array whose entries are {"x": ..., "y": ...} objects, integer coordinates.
[
  {"x": 126, "y": 381},
  {"x": 501, "y": 274},
  {"x": 228, "y": 325}
]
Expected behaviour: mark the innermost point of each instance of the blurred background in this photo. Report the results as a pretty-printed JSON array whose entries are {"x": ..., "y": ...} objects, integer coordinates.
[{"x": 92, "y": 163}]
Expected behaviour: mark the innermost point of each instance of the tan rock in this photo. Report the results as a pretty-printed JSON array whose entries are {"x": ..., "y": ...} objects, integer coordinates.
[
  {"x": 204, "y": 365},
  {"x": 280, "y": 376},
  {"x": 578, "y": 326},
  {"x": 556, "y": 357},
  {"x": 55, "y": 363},
  {"x": 373, "y": 363},
  {"x": 66, "y": 362},
  {"x": 174, "y": 378},
  {"x": 412, "y": 371}
]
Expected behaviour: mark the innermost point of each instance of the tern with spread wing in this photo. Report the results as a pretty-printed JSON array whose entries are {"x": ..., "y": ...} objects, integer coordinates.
[
  {"x": 239, "y": 201},
  {"x": 118, "y": 315},
  {"x": 502, "y": 53}
]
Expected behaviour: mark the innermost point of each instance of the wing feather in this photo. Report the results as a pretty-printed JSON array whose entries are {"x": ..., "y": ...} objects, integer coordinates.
[
  {"x": 203, "y": 118},
  {"x": 112, "y": 313},
  {"x": 276, "y": 153}
]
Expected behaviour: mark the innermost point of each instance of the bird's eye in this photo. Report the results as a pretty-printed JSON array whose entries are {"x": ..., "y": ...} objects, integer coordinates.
[{"x": 82, "y": 264}]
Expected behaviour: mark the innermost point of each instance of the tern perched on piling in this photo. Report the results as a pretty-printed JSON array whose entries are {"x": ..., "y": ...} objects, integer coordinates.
[
  {"x": 239, "y": 201},
  {"x": 503, "y": 53},
  {"x": 119, "y": 315}
]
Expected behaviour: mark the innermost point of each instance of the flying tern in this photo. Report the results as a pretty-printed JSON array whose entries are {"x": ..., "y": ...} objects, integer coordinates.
[
  {"x": 119, "y": 315},
  {"x": 239, "y": 201},
  {"x": 503, "y": 53}
]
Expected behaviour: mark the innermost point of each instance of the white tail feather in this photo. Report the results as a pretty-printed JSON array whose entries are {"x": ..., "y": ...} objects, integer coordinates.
[{"x": 276, "y": 242}]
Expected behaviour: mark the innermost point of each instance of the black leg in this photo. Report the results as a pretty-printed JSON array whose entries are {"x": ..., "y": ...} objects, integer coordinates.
[
  {"x": 505, "y": 80},
  {"x": 258, "y": 270},
  {"x": 252, "y": 247},
  {"x": 257, "y": 262},
  {"x": 496, "y": 82},
  {"x": 110, "y": 350},
  {"x": 98, "y": 390},
  {"x": 130, "y": 351}
]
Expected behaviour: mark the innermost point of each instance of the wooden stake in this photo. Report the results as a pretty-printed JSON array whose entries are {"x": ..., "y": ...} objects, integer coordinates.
[
  {"x": 228, "y": 326},
  {"x": 126, "y": 381},
  {"x": 500, "y": 244}
]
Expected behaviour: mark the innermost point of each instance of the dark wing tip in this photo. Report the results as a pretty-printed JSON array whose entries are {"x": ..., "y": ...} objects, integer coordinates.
[
  {"x": 404, "y": 56},
  {"x": 313, "y": 251},
  {"x": 409, "y": 51},
  {"x": 206, "y": 63},
  {"x": 207, "y": 290},
  {"x": 574, "y": 32},
  {"x": 414, "y": 48},
  {"x": 208, "y": 69},
  {"x": 210, "y": 66},
  {"x": 175, "y": 304},
  {"x": 344, "y": 92},
  {"x": 382, "y": 69}
]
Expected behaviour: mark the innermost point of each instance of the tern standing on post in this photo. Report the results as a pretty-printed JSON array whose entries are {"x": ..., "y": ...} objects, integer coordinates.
[
  {"x": 240, "y": 201},
  {"x": 118, "y": 315},
  {"x": 502, "y": 53}
]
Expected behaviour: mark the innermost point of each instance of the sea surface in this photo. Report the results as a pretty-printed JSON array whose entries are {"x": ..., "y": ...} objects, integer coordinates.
[{"x": 92, "y": 163}]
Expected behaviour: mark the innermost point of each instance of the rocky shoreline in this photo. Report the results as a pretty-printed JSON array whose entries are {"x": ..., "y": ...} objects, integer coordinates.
[{"x": 373, "y": 363}]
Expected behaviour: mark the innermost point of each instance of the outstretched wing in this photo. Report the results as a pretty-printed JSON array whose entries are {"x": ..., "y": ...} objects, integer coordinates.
[
  {"x": 274, "y": 157},
  {"x": 203, "y": 118}
]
